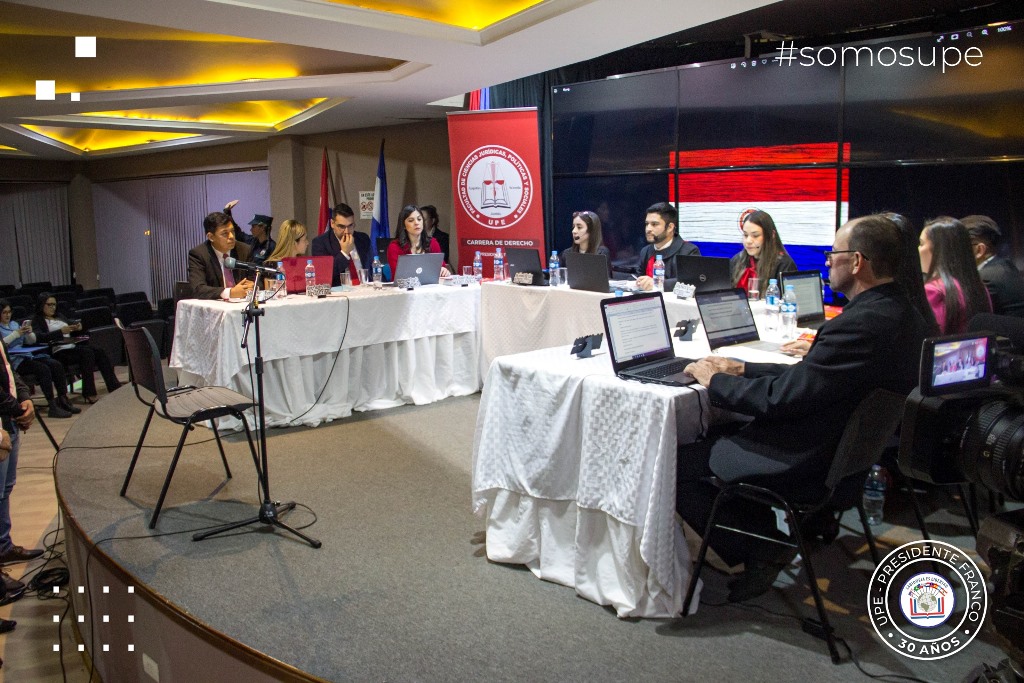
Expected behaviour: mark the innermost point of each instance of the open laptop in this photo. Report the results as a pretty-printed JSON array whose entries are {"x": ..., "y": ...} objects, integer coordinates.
[
  {"x": 295, "y": 272},
  {"x": 728, "y": 320},
  {"x": 706, "y": 273},
  {"x": 639, "y": 340},
  {"x": 524, "y": 261},
  {"x": 810, "y": 307},
  {"x": 426, "y": 267},
  {"x": 587, "y": 271}
]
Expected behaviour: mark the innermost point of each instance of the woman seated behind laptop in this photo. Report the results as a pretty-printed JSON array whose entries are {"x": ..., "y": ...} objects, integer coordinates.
[
  {"x": 411, "y": 238},
  {"x": 586, "y": 237},
  {"x": 291, "y": 241},
  {"x": 763, "y": 255}
]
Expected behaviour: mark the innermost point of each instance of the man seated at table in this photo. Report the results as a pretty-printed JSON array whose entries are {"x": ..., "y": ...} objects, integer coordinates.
[
  {"x": 1004, "y": 282},
  {"x": 350, "y": 249},
  {"x": 799, "y": 411},
  {"x": 660, "y": 230},
  {"x": 208, "y": 277}
]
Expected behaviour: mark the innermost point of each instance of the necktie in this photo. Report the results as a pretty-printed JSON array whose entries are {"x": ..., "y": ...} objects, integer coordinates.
[
  {"x": 354, "y": 273},
  {"x": 229, "y": 277}
]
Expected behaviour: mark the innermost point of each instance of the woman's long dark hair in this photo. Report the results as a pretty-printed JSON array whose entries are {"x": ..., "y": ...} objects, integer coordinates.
[
  {"x": 594, "y": 237},
  {"x": 402, "y": 237},
  {"x": 771, "y": 251},
  {"x": 908, "y": 274},
  {"x": 952, "y": 263}
]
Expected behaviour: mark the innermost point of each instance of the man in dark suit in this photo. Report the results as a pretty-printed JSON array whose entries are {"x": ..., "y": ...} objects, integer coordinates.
[
  {"x": 208, "y": 277},
  {"x": 660, "y": 231},
  {"x": 350, "y": 249},
  {"x": 799, "y": 411},
  {"x": 1004, "y": 282}
]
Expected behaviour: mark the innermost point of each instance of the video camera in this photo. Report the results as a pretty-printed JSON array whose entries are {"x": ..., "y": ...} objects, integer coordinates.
[{"x": 965, "y": 423}]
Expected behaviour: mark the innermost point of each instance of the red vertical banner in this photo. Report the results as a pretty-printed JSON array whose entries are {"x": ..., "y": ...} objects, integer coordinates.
[{"x": 496, "y": 182}]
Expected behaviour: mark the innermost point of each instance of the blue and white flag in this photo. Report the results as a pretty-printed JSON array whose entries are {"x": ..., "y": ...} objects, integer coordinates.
[{"x": 380, "y": 226}]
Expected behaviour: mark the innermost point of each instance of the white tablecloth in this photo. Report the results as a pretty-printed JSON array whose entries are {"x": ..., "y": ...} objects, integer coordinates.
[{"x": 324, "y": 358}]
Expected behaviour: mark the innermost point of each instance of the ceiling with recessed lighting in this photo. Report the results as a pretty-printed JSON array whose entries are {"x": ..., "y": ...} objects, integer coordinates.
[{"x": 193, "y": 72}]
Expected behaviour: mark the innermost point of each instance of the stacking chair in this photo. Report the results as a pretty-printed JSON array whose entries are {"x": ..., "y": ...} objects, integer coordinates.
[
  {"x": 181, "y": 405},
  {"x": 140, "y": 314},
  {"x": 866, "y": 435}
]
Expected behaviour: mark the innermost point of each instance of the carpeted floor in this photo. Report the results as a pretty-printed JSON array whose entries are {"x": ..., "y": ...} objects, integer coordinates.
[{"x": 401, "y": 589}]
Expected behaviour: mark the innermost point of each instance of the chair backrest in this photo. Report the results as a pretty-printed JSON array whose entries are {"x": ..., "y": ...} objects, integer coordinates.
[
  {"x": 94, "y": 317},
  {"x": 93, "y": 302},
  {"x": 106, "y": 292},
  {"x": 866, "y": 435},
  {"x": 130, "y": 296},
  {"x": 165, "y": 308},
  {"x": 182, "y": 290},
  {"x": 144, "y": 362},
  {"x": 134, "y": 311}
]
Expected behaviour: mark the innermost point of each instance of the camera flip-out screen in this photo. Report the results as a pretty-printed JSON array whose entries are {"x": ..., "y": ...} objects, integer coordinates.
[{"x": 956, "y": 363}]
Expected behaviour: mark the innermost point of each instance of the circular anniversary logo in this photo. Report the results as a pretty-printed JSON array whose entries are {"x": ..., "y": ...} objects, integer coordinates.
[
  {"x": 927, "y": 600},
  {"x": 494, "y": 186}
]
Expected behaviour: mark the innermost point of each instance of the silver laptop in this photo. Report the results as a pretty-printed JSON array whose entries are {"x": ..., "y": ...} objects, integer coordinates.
[
  {"x": 810, "y": 307},
  {"x": 426, "y": 267},
  {"x": 639, "y": 340},
  {"x": 728, "y": 320}
]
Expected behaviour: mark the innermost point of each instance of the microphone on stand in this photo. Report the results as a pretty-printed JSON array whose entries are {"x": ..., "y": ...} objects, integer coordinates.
[{"x": 232, "y": 262}]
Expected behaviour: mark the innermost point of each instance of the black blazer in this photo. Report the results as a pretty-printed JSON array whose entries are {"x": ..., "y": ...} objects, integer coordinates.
[
  {"x": 204, "y": 269},
  {"x": 678, "y": 247},
  {"x": 13, "y": 391},
  {"x": 800, "y": 410},
  {"x": 327, "y": 245},
  {"x": 1005, "y": 285}
]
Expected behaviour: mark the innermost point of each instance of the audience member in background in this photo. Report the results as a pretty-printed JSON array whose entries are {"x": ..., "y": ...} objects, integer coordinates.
[
  {"x": 799, "y": 411},
  {"x": 432, "y": 221},
  {"x": 16, "y": 414},
  {"x": 48, "y": 372},
  {"x": 350, "y": 249},
  {"x": 260, "y": 241},
  {"x": 763, "y": 255},
  {"x": 51, "y": 328},
  {"x": 1004, "y": 282},
  {"x": 951, "y": 281},
  {"x": 411, "y": 238},
  {"x": 291, "y": 241},
  {"x": 208, "y": 277},
  {"x": 660, "y": 231},
  {"x": 587, "y": 237}
]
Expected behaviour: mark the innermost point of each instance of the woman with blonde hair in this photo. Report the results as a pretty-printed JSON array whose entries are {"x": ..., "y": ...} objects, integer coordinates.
[{"x": 291, "y": 241}]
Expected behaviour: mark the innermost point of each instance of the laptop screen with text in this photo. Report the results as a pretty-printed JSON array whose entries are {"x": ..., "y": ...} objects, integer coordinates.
[
  {"x": 807, "y": 287},
  {"x": 727, "y": 317},
  {"x": 637, "y": 329}
]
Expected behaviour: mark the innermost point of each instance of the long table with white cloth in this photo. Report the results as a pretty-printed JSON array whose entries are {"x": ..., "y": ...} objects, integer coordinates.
[
  {"x": 574, "y": 472},
  {"x": 363, "y": 349}
]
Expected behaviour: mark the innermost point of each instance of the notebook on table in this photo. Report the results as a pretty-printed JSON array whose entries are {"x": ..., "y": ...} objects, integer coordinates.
[
  {"x": 705, "y": 273},
  {"x": 810, "y": 307},
  {"x": 729, "y": 322},
  {"x": 587, "y": 271},
  {"x": 425, "y": 267},
  {"x": 295, "y": 272},
  {"x": 639, "y": 340}
]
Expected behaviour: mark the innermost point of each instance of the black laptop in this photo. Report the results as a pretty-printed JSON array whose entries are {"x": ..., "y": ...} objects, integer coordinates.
[
  {"x": 587, "y": 271},
  {"x": 728, "y": 320},
  {"x": 706, "y": 273},
  {"x": 524, "y": 261},
  {"x": 639, "y": 340},
  {"x": 426, "y": 267},
  {"x": 810, "y": 307}
]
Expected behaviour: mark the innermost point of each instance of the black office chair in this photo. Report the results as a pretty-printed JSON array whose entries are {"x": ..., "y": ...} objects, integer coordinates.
[
  {"x": 141, "y": 314},
  {"x": 129, "y": 297},
  {"x": 181, "y": 405},
  {"x": 866, "y": 435}
]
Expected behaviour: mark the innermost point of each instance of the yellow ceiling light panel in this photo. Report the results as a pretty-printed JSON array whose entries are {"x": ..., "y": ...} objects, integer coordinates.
[
  {"x": 96, "y": 139},
  {"x": 5, "y": 148},
  {"x": 264, "y": 113},
  {"x": 471, "y": 14}
]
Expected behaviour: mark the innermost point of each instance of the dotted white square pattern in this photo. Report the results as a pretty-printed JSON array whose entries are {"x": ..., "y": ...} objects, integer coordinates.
[
  {"x": 106, "y": 647},
  {"x": 131, "y": 589},
  {"x": 81, "y": 589},
  {"x": 106, "y": 589},
  {"x": 85, "y": 46},
  {"x": 76, "y": 97},
  {"x": 46, "y": 90},
  {"x": 106, "y": 618},
  {"x": 131, "y": 648},
  {"x": 81, "y": 647},
  {"x": 56, "y": 618},
  {"x": 56, "y": 647},
  {"x": 81, "y": 618},
  {"x": 131, "y": 618}
]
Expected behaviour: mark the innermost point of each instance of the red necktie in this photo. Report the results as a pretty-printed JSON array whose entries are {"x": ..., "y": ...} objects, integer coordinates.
[
  {"x": 353, "y": 272},
  {"x": 229, "y": 277}
]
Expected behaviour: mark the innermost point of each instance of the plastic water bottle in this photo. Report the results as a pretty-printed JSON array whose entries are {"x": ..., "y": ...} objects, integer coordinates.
[
  {"x": 553, "y": 265},
  {"x": 279, "y": 284},
  {"x": 771, "y": 306},
  {"x": 378, "y": 273},
  {"x": 310, "y": 276},
  {"x": 874, "y": 495},
  {"x": 789, "y": 313},
  {"x": 499, "y": 265},
  {"x": 659, "y": 274},
  {"x": 478, "y": 268}
]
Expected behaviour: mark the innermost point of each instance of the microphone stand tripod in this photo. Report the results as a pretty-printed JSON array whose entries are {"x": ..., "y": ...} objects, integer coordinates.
[{"x": 270, "y": 511}]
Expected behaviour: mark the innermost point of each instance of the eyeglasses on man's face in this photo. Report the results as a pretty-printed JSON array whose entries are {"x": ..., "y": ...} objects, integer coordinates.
[{"x": 830, "y": 254}]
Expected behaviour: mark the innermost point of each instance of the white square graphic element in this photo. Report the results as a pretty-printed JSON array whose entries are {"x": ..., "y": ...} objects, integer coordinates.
[
  {"x": 76, "y": 97},
  {"x": 85, "y": 46},
  {"x": 46, "y": 90}
]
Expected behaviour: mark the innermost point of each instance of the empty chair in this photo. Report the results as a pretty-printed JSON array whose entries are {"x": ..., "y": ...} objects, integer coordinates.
[
  {"x": 92, "y": 318},
  {"x": 182, "y": 405},
  {"x": 131, "y": 296},
  {"x": 866, "y": 435},
  {"x": 140, "y": 314},
  {"x": 106, "y": 292},
  {"x": 92, "y": 302}
]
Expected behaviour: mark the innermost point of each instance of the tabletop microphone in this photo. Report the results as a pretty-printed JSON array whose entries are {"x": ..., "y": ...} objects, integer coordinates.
[{"x": 232, "y": 262}]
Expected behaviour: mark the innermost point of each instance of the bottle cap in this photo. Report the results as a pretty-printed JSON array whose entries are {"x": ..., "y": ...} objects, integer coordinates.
[{"x": 773, "y": 281}]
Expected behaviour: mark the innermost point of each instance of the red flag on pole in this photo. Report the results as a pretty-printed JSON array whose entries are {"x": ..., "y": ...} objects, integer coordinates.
[{"x": 325, "y": 202}]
